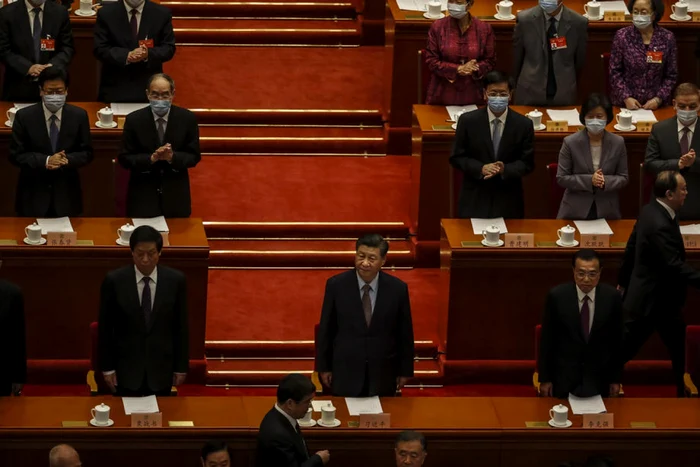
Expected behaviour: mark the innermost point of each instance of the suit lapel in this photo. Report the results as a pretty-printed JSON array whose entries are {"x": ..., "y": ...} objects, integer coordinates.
[
  {"x": 64, "y": 129},
  {"x": 506, "y": 136},
  {"x": 123, "y": 22},
  {"x": 564, "y": 24},
  {"x": 604, "y": 150},
  {"x": 297, "y": 437},
  {"x": 24, "y": 31},
  {"x": 379, "y": 301},
  {"x": 355, "y": 292},
  {"x": 673, "y": 135},
  {"x": 538, "y": 19},
  {"x": 144, "y": 25},
  {"x": 132, "y": 294},
  {"x": 44, "y": 140},
  {"x": 600, "y": 313},
  {"x": 586, "y": 147},
  {"x": 575, "y": 314},
  {"x": 161, "y": 286},
  {"x": 486, "y": 131}
]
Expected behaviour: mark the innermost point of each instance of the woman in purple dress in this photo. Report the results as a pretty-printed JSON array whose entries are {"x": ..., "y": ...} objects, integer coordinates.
[
  {"x": 643, "y": 59},
  {"x": 460, "y": 52}
]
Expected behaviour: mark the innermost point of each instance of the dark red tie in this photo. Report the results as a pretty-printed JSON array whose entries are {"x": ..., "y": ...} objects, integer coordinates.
[
  {"x": 585, "y": 318},
  {"x": 685, "y": 144},
  {"x": 134, "y": 25}
]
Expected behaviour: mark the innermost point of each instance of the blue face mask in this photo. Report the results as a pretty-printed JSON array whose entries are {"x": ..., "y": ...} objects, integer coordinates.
[
  {"x": 160, "y": 107},
  {"x": 549, "y": 6},
  {"x": 54, "y": 102},
  {"x": 498, "y": 104},
  {"x": 687, "y": 117},
  {"x": 641, "y": 21},
  {"x": 457, "y": 11},
  {"x": 595, "y": 126}
]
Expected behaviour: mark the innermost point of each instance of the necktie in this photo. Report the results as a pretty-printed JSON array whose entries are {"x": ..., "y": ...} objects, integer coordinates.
[
  {"x": 685, "y": 144},
  {"x": 367, "y": 303},
  {"x": 36, "y": 34},
  {"x": 306, "y": 453},
  {"x": 146, "y": 300},
  {"x": 585, "y": 318},
  {"x": 134, "y": 25},
  {"x": 53, "y": 132},
  {"x": 161, "y": 130},
  {"x": 496, "y": 136},
  {"x": 551, "y": 80}
]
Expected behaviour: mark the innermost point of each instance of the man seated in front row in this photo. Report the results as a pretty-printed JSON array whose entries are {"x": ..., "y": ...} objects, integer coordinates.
[
  {"x": 410, "y": 448},
  {"x": 582, "y": 330}
]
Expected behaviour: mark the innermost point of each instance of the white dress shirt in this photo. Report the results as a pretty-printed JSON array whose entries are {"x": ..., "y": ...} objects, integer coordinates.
[
  {"x": 139, "y": 12},
  {"x": 286, "y": 415},
  {"x": 668, "y": 209},
  {"x": 30, "y": 7},
  {"x": 151, "y": 284},
  {"x": 492, "y": 117},
  {"x": 373, "y": 287},
  {"x": 596, "y": 153},
  {"x": 591, "y": 305},
  {"x": 691, "y": 127}
]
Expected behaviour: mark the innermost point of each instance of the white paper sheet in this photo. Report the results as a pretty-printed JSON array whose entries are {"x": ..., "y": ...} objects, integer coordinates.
[
  {"x": 157, "y": 223},
  {"x": 318, "y": 404},
  {"x": 693, "y": 5},
  {"x": 643, "y": 115},
  {"x": 20, "y": 105},
  {"x": 595, "y": 227},
  {"x": 126, "y": 109},
  {"x": 570, "y": 115},
  {"x": 358, "y": 405},
  {"x": 613, "y": 6},
  {"x": 148, "y": 404},
  {"x": 581, "y": 405},
  {"x": 59, "y": 224},
  {"x": 418, "y": 5},
  {"x": 692, "y": 229},
  {"x": 479, "y": 225},
  {"x": 454, "y": 110}
]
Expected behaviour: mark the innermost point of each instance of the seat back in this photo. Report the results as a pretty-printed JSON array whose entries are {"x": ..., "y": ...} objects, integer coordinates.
[
  {"x": 455, "y": 181},
  {"x": 646, "y": 185},
  {"x": 423, "y": 77},
  {"x": 556, "y": 192},
  {"x": 605, "y": 75}
]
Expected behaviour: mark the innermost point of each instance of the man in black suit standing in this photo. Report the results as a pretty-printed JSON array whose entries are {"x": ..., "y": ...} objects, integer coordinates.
[
  {"x": 582, "y": 329},
  {"x": 673, "y": 145},
  {"x": 654, "y": 275},
  {"x": 13, "y": 365},
  {"x": 133, "y": 38},
  {"x": 143, "y": 324},
  {"x": 494, "y": 148},
  {"x": 34, "y": 35},
  {"x": 365, "y": 339},
  {"x": 50, "y": 142},
  {"x": 280, "y": 442},
  {"x": 160, "y": 143}
]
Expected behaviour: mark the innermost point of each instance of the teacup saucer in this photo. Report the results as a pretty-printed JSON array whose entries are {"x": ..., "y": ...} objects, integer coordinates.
[
  {"x": 308, "y": 424},
  {"x": 29, "y": 242},
  {"x": 555, "y": 425},
  {"x": 504, "y": 18},
  {"x": 80, "y": 13},
  {"x": 676, "y": 18},
  {"x": 335, "y": 423},
  {"x": 500, "y": 243},
  {"x": 122, "y": 242},
  {"x": 585, "y": 15},
  {"x": 619, "y": 128},
  {"x": 559, "y": 242},
  {"x": 8, "y": 123},
  {"x": 93, "y": 422},
  {"x": 99, "y": 124},
  {"x": 427, "y": 16},
  {"x": 541, "y": 127}
]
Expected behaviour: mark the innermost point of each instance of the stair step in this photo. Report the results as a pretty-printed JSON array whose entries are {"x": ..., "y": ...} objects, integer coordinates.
[
  {"x": 297, "y": 117},
  {"x": 305, "y": 230},
  {"x": 276, "y": 9}
]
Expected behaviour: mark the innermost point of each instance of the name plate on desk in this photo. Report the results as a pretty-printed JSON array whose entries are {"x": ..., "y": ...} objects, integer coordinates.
[
  {"x": 442, "y": 127},
  {"x": 614, "y": 16},
  {"x": 642, "y": 425},
  {"x": 558, "y": 126},
  {"x": 695, "y": 15},
  {"x": 691, "y": 240},
  {"x": 61, "y": 238},
  {"x": 180, "y": 423},
  {"x": 595, "y": 241},
  {"x": 644, "y": 127},
  {"x": 469, "y": 244},
  {"x": 375, "y": 420},
  {"x": 7, "y": 242},
  {"x": 147, "y": 420},
  {"x": 599, "y": 421},
  {"x": 520, "y": 240},
  {"x": 74, "y": 424},
  {"x": 536, "y": 425}
]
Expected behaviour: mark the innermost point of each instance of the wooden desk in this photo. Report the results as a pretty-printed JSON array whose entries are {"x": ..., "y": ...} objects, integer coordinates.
[
  {"x": 407, "y": 33},
  {"x": 61, "y": 285},
  {"x": 432, "y": 196}
]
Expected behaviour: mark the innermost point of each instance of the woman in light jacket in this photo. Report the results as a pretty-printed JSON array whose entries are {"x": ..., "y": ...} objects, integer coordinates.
[{"x": 592, "y": 165}]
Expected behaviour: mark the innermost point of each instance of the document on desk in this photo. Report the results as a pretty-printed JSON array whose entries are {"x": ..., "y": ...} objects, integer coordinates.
[
  {"x": 360, "y": 405},
  {"x": 594, "y": 227},
  {"x": 317, "y": 405},
  {"x": 570, "y": 115},
  {"x": 417, "y": 5},
  {"x": 479, "y": 225},
  {"x": 148, "y": 404},
  {"x": 692, "y": 229},
  {"x": 643, "y": 115},
  {"x": 613, "y": 6},
  {"x": 58, "y": 224},
  {"x": 21, "y": 105},
  {"x": 693, "y": 5},
  {"x": 456, "y": 110},
  {"x": 582, "y": 405},
  {"x": 157, "y": 223},
  {"x": 126, "y": 109}
]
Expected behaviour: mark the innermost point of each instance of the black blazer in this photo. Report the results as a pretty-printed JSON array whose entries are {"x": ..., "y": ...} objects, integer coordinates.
[
  {"x": 127, "y": 345},
  {"x": 17, "y": 47},
  {"x": 663, "y": 153},
  {"x": 351, "y": 350},
  {"x": 502, "y": 195},
  {"x": 38, "y": 188},
  {"x": 566, "y": 360},
  {"x": 279, "y": 445},
  {"x": 162, "y": 188},
  {"x": 654, "y": 272},
  {"x": 113, "y": 41},
  {"x": 13, "y": 364}
]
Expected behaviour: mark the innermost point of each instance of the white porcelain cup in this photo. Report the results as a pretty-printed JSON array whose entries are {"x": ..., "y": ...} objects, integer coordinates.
[
  {"x": 592, "y": 9},
  {"x": 491, "y": 234},
  {"x": 125, "y": 231},
  {"x": 100, "y": 413},
  {"x": 680, "y": 9},
  {"x": 307, "y": 418},
  {"x": 536, "y": 117},
  {"x": 328, "y": 414},
  {"x": 624, "y": 119},
  {"x": 434, "y": 9},
  {"x": 86, "y": 6},
  {"x": 11, "y": 114},
  {"x": 33, "y": 232},
  {"x": 504, "y": 8},
  {"x": 559, "y": 414},
  {"x": 566, "y": 235},
  {"x": 105, "y": 116}
]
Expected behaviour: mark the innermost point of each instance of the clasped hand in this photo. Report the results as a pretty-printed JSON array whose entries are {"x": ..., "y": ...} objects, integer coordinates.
[
  {"x": 35, "y": 70},
  {"x": 493, "y": 169},
  {"x": 57, "y": 161},
  {"x": 468, "y": 68},
  {"x": 598, "y": 179},
  {"x": 687, "y": 160},
  {"x": 163, "y": 153},
  {"x": 139, "y": 54}
]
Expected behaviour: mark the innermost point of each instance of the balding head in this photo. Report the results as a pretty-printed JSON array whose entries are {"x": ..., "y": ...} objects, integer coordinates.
[{"x": 64, "y": 456}]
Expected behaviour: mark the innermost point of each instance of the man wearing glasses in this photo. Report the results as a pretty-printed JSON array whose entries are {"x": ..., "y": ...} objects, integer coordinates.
[
  {"x": 582, "y": 331},
  {"x": 410, "y": 449},
  {"x": 50, "y": 142},
  {"x": 160, "y": 143}
]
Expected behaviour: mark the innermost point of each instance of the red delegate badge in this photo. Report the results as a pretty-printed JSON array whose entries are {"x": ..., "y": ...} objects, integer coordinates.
[
  {"x": 655, "y": 57},
  {"x": 556, "y": 43},
  {"x": 48, "y": 45}
]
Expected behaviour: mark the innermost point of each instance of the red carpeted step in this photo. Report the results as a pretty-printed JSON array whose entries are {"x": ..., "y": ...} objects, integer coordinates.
[
  {"x": 276, "y": 9},
  {"x": 218, "y": 230},
  {"x": 293, "y": 118}
]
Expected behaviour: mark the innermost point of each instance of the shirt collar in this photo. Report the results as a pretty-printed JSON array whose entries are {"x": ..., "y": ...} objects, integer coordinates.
[
  {"x": 492, "y": 117},
  {"x": 153, "y": 276},
  {"x": 139, "y": 8},
  {"x": 668, "y": 209},
  {"x": 690, "y": 127},
  {"x": 48, "y": 113},
  {"x": 164, "y": 117},
  {"x": 30, "y": 7},
  {"x": 361, "y": 282},
  {"x": 556, "y": 17},
  {"x": 286, "y": 415},
  {"x": 590, "y": 294}
]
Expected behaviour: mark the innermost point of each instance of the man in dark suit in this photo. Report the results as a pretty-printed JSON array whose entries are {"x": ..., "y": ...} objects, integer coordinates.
[
  {"x": 143, "y": 326},
  {"x": 280, "y": 442},
  {"x": 410, "y": 448},
  {"x": 215, "y": 453},
  {"x": 673, "y": 145},
  {"x": 494, "y": 148},
  {"x": 133, "y": 38},
  {"x": 13, "y": 364},
  {"x": 160, "y": 143},
  {"x": 50, "y": 142},
  {"x": 582, "y": 329},
  {"x": 654, "y": 275},
  {"x": 365, "y": 339},
  {"x": 34, "y": 35}
]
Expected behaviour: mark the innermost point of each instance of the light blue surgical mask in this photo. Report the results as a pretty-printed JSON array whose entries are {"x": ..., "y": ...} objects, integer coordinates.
[
  {"x": 54, "y": 102},
  {"x": 687, "y": 117},
  {"x": 641, "y": 21},
  {"x": 160, "y": 107},
  {"x": 549, "y": 6},
  {"x": 595, "y": 126},
  {"x": 497, "y": 104},
  {"x": 457, "y": 11}
]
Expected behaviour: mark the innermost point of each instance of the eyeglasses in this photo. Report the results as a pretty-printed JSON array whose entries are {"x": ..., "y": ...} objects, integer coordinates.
[
  {"x": 497, "y": 94},
  {"x": 160, "y": 95},
  {"x": 589, "y": 274},
  {"x": 54, "y": 92}
]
